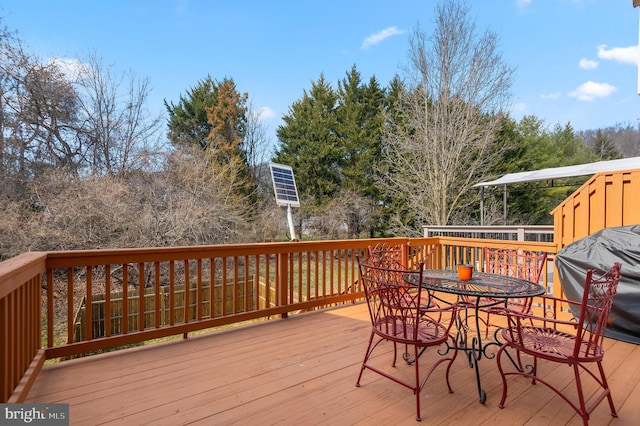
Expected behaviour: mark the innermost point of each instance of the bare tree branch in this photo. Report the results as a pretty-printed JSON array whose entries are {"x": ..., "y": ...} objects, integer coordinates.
[{"x": 444, "y": 139}]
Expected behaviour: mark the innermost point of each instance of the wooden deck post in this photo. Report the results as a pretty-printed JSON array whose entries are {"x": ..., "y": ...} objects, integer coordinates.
[{"x": 282, "y": 279}]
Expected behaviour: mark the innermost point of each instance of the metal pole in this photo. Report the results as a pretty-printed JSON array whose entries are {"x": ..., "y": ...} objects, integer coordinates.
[
  {"x": 635, "y": 3},
  {"x": 292, "y": 230},
  {"x": 482, "y": 206},
  {"x": 504, "y": 207}
]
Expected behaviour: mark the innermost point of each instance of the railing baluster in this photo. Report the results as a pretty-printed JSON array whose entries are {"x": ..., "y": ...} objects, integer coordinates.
[
  {"x": 234, "y": 296},
  {"x": 247, "y": 286},
  {"x": 50, "y": 309},
  {"x": 308, "y": 275},
  {"x": 199, "y": 296},
  {"x": 70, "y": 299},
  {"x": 88, "y": 330},
  {"x": 172, "y": 293},
  {"x": 107, "y": 307},
  {"x": 156, "y": 292},
  {"x": 187, "y": 292},
  {"x": 141, "y": 297},
  {"x": 125, "y": 298},
  {"x": 224, "y": 286}
]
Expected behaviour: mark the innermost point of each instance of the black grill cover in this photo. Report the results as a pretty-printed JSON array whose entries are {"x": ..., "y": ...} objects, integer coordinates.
[{"x": 600, "y": 251}]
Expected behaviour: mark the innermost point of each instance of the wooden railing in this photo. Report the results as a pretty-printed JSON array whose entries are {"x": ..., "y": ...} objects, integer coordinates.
[
  {"x": 20, "y": 348},
  {"x": 460, "y": 250},
  {"x": 540, "y": 233},
  {"x": 49, "y": 300}
]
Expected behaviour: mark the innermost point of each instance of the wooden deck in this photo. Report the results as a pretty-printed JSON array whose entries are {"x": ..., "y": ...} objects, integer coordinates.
[{"x": 302, "y": 370}]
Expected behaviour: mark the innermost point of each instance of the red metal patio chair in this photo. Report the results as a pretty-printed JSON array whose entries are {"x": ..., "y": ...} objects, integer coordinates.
[
  {"x": 517, "y": 263},
  {"x": 389, "y": 255},
  {"x": 395, "y": 256},
  {"x": 576, "y": 342},
  {"x": 396, "y": 317}
]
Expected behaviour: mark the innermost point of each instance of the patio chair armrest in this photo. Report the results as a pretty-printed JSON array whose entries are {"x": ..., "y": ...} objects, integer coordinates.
[
  {"x": 445, "y": 314},
  {"x": 501, "y": 310},
  {"x": 546, "y": 311}
]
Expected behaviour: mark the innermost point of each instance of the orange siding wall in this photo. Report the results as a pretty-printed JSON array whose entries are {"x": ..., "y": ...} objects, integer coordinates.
[{"x": 607, "y": 200}]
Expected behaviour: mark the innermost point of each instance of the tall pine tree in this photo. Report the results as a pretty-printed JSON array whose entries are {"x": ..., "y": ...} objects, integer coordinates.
[
  {"x": 309, "y": 144},
  {"x": 360, "y": 128}
]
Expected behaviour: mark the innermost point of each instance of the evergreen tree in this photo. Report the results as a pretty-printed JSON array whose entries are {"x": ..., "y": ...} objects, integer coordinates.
[
  {"x": 527, "y": 203},
  {"x": 392, "y": 203},
  {"x": 227, "y": 119},
  {"x": 537, "y": 148},
  {"x": 604, "y": 148},
  {"x": 309, "y": 144},
  {"x": 188, "y": 123},
  {"x": 213, "y": 118},
  {"x": 568, "y": 148},
  {"x": 359, "y": 129}
]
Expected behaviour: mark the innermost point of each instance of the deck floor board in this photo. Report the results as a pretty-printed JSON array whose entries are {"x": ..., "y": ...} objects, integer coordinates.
[{"x": 302, "y": 370}]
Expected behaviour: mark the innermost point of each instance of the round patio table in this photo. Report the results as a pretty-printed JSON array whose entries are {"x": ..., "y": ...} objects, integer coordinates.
[{"x": 472, "y": 292}]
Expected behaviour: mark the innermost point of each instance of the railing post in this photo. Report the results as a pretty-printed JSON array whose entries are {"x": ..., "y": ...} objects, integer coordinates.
[{"x": 282, "y": 280}]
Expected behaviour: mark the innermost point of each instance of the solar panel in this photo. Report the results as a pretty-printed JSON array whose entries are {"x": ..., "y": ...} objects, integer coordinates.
[{"x": 284, "y": 185}]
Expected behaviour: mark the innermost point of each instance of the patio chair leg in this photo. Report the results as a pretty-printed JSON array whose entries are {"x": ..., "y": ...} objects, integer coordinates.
[
  {"x": 395, "y": 354},
  {"x": 583, "y": 409},
  {"x": 534, "y": 372},
  {"x": 605, "y": 384},
  {"x": 502, "y": 375},
  {"x": 418, "y": 386},
  {"x": 453, "y": 358},
  {"x": 585, "y": 412},
  {"x": 366, "y": 358}
]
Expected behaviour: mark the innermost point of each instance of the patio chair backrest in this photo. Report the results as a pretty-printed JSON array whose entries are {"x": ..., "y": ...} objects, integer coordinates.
[
  {"x": 393, "y": 303},
  {"x": 388, "y": 255},
  {"x": 597, "y": 300},
  {"x": 519, "y": 263}
]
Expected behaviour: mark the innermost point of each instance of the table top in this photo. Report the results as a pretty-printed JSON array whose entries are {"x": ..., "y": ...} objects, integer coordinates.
[{"x": 481, "y": 285}]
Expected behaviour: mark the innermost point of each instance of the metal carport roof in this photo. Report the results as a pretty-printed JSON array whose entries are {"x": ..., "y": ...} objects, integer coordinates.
[
  {"x": 554, "y": 173},
  {"x": 565, "y": 172}
]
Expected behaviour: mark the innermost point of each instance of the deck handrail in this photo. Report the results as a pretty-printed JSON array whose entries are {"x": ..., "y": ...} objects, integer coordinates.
[
  {"x": 149, "y": 293},
  {"x": 20, "y": 313},
  {"x": 542, "y": 233}
]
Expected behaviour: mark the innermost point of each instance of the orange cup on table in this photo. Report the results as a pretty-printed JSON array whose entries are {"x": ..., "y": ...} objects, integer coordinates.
[{"x": 465, "y": 272}]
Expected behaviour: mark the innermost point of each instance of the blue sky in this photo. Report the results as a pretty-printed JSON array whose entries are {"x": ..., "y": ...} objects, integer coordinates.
[{"x": 575, "y": 60}]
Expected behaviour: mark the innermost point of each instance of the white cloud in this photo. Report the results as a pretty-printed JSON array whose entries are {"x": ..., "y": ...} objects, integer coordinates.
[
  {"x": 627, "y": 55},
  {"x": 71, "y": 68},
  {"x": 523, "y": 3},
  {"x": 266, "y": 113},
  {"x": 376, "y": 38},
  {"x": 554, "y": 95},
  {"x": 591, "y": 90},
  {"x": 587, "y": 64}
]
